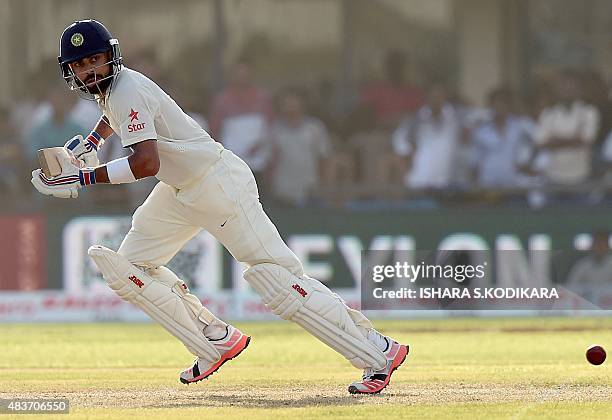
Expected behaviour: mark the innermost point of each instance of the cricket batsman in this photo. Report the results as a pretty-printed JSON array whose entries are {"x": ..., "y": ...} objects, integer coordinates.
[{"x": 202, "y": 186}]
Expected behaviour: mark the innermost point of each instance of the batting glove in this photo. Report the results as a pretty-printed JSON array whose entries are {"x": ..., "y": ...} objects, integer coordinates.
[
  {"x": 86, "y": 150},
  {"x": 65, "y": 185}
]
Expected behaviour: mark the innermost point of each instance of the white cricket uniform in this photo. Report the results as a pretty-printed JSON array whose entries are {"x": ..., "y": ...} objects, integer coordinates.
[{"x": 203, "y": 185}]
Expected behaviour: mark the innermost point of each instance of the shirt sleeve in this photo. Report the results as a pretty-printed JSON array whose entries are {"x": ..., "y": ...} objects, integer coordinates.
[
  {"x": 402, "y": 146},
  {"x": 607, "y": 148},
  {"x": 323, "y": 143},
  {"x": 478, "y": 143},
  {"x": 135, "y": 115},
  {"x": 590, "y": 124},
  {"x": 541, "y": 129}
]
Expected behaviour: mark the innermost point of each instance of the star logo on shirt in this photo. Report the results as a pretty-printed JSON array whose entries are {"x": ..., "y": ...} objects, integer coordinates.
[{"x": 133, "y": 115}]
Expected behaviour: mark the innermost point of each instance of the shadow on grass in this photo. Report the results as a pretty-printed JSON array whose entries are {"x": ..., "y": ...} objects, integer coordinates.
[{"x": 258, "y": 401}]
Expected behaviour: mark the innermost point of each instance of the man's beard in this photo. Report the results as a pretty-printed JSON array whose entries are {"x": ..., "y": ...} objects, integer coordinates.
[{"x": 98, "y": 88}]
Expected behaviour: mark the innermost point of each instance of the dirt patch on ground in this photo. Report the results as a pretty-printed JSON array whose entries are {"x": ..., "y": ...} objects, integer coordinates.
[{"x": 204, "y": 395}]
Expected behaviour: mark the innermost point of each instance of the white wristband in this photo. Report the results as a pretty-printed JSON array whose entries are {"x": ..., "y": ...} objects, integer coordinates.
[{"x": 119, "y": 171}]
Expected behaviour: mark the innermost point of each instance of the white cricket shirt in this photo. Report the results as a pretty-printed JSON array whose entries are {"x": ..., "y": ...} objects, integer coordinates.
[{"x": 138, "y": 109}]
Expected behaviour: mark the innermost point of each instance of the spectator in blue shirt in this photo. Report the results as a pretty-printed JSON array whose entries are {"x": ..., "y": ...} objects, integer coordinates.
[{"x": 502, "y": 144}]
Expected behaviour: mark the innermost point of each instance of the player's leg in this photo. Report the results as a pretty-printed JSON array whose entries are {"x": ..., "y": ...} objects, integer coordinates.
[
  {"x": 227, "y": 339},
  {"x": 159, "y": 230},
  {"x": 238, "y": 220}
]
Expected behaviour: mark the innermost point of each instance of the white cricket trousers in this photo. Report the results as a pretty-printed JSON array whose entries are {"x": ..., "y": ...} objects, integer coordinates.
[{"x": 225, "y": 202}]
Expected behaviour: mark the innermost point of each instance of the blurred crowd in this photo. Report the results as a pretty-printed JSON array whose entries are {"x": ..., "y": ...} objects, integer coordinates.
[{"x": 397, "y": 141}]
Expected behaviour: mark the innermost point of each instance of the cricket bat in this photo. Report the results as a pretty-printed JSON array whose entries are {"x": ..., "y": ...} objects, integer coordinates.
[{"x": 52, "y": 160}]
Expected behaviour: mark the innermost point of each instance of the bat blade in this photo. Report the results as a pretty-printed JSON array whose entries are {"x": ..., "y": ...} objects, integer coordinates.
[{"x": 49, "y": 160}]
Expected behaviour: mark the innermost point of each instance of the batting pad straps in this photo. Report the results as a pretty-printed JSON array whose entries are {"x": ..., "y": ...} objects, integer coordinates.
[
  {"x": 155, "y": 298},
  {"x": 119, "y": 171},
  {"x": 315, "y": 308},
  {"x": 191, "y": 302}
]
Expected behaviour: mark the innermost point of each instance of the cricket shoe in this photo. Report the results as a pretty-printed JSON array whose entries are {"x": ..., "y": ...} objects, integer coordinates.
[
  {"x": 229, "y": 347},
  {"x": 374, "y": 381}
]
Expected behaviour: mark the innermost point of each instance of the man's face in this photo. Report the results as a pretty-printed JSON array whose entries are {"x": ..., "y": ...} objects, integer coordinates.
[
  {"x": 600, "y": 245},
  {"x": 568, "y": 88},
  {"x": 500, "y": 107},
  {"x": 91, "y": 70},
  {"x": 437, "y": 97},
  {"x": 291, "y": 106},
  {"x": 241, "y": 75}
]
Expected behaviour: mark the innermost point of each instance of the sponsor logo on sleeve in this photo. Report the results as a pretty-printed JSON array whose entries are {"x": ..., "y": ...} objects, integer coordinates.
[{"x": 134, "y": 117}]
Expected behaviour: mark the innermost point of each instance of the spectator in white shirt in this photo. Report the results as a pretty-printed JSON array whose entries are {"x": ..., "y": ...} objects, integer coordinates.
[
  {"x": 430, "y": 141},
  {"x": 592, "y": 274},
  {"x": 564, "y": 134},
  {"x": 300, "y": 143},
  {"x": 241, "y": 117}
]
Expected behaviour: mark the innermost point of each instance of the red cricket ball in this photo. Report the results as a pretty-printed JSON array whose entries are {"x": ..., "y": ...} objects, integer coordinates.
[{"x": 596, "y": 355}]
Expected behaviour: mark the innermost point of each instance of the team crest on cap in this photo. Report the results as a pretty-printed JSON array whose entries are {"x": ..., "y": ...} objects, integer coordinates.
[{"x": 77, "y": 39}]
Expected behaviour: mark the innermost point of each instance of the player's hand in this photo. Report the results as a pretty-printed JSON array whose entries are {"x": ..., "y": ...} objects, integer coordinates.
[
  {"x": 84, "y": 150},
  {"x": 65, "y": 185},
  {"x": 60, "y": 186}
]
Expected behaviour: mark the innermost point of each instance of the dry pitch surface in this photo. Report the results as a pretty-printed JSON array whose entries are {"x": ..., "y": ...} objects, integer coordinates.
[{"x": 494, "y": 368}]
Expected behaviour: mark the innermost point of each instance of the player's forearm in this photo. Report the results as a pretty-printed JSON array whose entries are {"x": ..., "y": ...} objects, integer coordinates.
[
  {"x": 123, "y": 170},
  {"x": 142, "y": 163},
  {"x": 100, "y": 133},
  {"x": 103, "y": 127},
  {"x": 101, "y": 174}
]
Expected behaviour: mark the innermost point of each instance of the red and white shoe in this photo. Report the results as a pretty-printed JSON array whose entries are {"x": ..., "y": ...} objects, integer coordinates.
[
  {"x": 229, "y": 347},
  {"x": 374, "y": 381}
]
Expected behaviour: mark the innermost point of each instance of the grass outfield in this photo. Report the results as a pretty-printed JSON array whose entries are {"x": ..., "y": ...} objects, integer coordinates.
[{"x": 457, "y": 368}]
